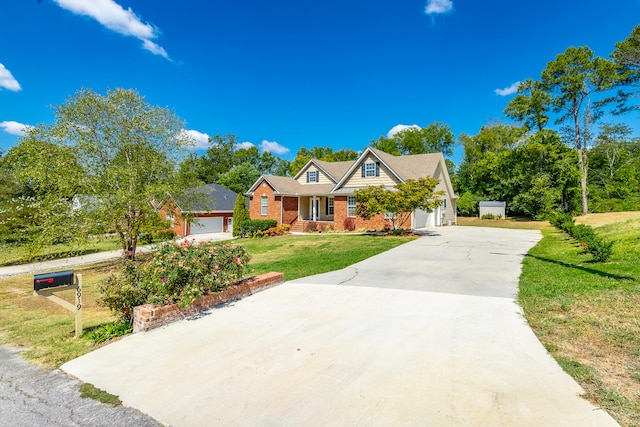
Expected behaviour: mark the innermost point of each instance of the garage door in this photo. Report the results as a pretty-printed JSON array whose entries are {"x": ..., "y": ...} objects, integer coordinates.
[{"x": 207, "y": 225}]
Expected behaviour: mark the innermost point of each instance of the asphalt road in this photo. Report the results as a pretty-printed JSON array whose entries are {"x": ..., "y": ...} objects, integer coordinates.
[{"x": 30, "y": 396}]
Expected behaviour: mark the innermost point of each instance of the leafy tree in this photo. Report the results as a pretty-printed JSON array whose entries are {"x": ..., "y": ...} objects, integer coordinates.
[
  {"x": 531, "y": 106},
  {"x": 435, "y": 138},
  {"x": 123, "y": 153},
  {"x": 398, "y": 203},
  {"x": 571, "y": 79},
  {"x": 626, "y": 56},
  {"x": 239, "y": 178},
  {"x": 240, "y": 214},
  {"x": 218, "y": 158}
]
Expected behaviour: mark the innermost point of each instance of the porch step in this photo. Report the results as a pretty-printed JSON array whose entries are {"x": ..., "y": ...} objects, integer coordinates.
[{"x": 297, "y": 227}]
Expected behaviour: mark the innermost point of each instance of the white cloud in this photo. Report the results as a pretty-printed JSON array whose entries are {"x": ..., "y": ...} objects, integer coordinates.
[
  {"x": 244, "y": 145},
  {"x": 14, "y": 128},
  {"x": 438, "y": 6},
  {"x": 399, "y": 128},
  {"x": 273, "y": 147},
  {"x": 114, "y": 17},
  {"x": 7, "y": 80},
  {"x": 508, "y": 90},
  {"x": 201, "y": 139}
]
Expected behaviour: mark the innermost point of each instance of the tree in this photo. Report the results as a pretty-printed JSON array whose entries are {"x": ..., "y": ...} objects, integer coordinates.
[
  {"x": 239, "y": 178},
  {"x": 124, "y": 153},
  {"x": 531, "y": 106},
  {"x": 240, "y": 214},
  {"x": 435, "y": 138},
  {"x": 398, "y": 203},
  {"x": 626, "y": 56},
  {"x": 570, "y": 80}
]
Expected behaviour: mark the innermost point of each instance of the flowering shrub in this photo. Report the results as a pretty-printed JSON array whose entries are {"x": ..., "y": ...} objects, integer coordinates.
[{"x": 174, "y": 274}]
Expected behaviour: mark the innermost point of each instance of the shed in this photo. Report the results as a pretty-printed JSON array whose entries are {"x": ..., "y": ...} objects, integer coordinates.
[{"x": 497, "y": 209}]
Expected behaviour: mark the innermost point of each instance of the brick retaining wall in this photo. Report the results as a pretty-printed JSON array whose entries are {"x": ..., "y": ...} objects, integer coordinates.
[{"x": 147, "y": 317}]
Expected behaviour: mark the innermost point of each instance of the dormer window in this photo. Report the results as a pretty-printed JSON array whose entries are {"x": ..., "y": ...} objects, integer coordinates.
[
  {"x": 312, "y": 176},
  {"x": 370, "y": 169}
]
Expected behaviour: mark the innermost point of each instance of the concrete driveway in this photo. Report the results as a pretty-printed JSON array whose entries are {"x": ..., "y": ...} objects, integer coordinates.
[{"x": 425, "y": 334}]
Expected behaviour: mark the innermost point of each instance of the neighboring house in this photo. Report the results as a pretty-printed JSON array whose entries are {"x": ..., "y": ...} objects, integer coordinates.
[
  {"x": 495, "y": 208},
  {"x": 206, "y": 209},
  {"x": 323, "y": 192}
]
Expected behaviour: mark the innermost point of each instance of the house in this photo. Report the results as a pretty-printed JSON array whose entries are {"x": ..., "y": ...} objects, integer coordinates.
[
  {"x": 205, "y": 209},
  {"x": 323, "y": 192}
]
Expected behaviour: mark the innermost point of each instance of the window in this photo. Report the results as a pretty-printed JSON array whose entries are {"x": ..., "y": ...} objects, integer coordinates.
[
  {"x": 444, "y": 205},
  {"x": 389, "y": 215},
  {"x": 312, "y": 176},
  {"x": 351, "y": 206},
  {"x": 370, "y": 169},
  {"x": 171, "y": 220},
  {"x": 329, "y": 205},
  {"x": 263, "y": 205}
]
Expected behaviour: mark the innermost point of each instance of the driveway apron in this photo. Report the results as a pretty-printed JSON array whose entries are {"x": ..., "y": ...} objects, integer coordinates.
[{"x": 426, "y": 334}]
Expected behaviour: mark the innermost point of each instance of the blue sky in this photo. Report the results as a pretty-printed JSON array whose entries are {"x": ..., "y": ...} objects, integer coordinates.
[{"x": 284, "y": 74}]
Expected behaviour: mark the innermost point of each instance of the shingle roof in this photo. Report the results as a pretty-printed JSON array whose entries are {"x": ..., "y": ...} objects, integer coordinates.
[
  {"x": 335, "y": 169},
  {"x": 412, "y": 166},
  {"x": 207, "y": 198},
  {"x": 288, "y": 185}
]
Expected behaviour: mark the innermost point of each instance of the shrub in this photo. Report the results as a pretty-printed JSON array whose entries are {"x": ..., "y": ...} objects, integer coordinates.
[
  {"x": 488, "y": 216},
  {"x": 349, "y": 224},
  {"x": 174, "y": 274},
  {"x": 240, "y": 214},
  {"x": 249, "y": 227},
  {"x": 599, "y": 247},
  {"x": 164, "y": 235}
]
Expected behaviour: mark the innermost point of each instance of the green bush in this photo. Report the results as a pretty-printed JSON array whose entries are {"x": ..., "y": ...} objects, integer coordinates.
[
  {"x": 488, "y": 216},
  {"x": 240, "y": 214},
  {"x": 175, "y": 274},
  {"x": 597, "y": 246},
  {"x": 249, "y": 227}
]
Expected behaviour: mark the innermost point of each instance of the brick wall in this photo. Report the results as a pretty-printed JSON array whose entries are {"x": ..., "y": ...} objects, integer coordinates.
[
  {"x": 147, "y": 317},
  {"x": 169, "y": 208},
  {"x": 377, "y": 222},
  {"x": 273, "y": 203}
]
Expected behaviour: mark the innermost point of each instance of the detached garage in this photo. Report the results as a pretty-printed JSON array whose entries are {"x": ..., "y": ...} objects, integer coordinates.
[{"x": 201, "y": 210}]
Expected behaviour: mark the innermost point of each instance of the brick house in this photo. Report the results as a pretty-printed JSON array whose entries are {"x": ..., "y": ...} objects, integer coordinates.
[
  {"x": 205, "y": 209},
  {"x": 322, "y": 193}
]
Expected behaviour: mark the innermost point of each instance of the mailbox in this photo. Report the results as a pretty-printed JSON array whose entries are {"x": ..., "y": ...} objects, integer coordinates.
[{"x": 52, "y": 280}]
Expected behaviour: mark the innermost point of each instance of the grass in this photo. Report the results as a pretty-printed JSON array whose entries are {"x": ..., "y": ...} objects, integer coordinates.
[
  {"x": 299, "y": 256},
  {"x": 46, "y": 330},
  {"x": 15, "y": 254},
  {"x": 88, "y": 391},
  {"x": 587, "y": 314}
]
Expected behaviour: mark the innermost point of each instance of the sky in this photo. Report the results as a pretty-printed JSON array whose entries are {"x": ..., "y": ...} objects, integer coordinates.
[{"x": 286, "y": 74}]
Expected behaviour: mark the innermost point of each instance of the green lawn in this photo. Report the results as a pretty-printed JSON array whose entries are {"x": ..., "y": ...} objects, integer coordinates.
[
  {"x": 587, "y": 314},
  {"x": 46, "y": 330},
  {"x": 14, "y": 254}
]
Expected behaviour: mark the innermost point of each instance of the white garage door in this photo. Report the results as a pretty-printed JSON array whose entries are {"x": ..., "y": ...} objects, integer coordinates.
[
  {"x": 207, "y": 225},
  {"x": 420, "y": 218}
]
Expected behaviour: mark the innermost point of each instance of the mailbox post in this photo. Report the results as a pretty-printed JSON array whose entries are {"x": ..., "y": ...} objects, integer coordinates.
[{"x": 47, "y": 283}]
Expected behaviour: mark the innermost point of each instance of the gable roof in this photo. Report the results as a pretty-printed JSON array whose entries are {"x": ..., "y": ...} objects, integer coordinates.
[
  {"x": 333, "y": 170},
  {"x": 402, "y": 167},
  {"x": 285, "y": 185},
  {"x": 207, "y": 198}
]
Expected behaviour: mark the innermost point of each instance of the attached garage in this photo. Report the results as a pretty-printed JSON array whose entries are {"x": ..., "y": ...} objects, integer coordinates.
[
  {"x": 427, "y": 219},
  {"x": 207, "y": 225}
]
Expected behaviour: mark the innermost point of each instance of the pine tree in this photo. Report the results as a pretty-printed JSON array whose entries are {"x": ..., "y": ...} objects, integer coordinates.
[{"x": 240, "y": 214}]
